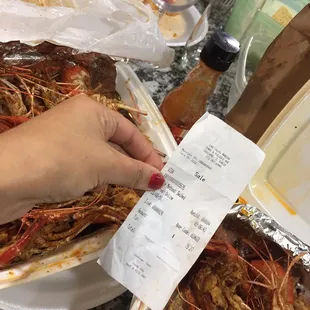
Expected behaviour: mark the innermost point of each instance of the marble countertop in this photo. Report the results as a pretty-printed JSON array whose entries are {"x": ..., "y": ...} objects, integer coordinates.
[{"x": 161, "y": 81}]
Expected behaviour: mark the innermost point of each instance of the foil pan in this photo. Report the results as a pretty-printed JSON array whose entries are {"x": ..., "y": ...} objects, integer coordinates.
[{"x": 265, "y": 226}]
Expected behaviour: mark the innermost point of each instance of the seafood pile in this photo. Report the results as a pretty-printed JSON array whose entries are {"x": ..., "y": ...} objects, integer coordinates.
[
  {"x": 33, "y": 80},
  {"x": 47, "y": 227},
  {"x": 242, "y": 270}
]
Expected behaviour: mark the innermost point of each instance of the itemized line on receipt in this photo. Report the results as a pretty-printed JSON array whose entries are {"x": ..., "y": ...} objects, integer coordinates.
[{"x": 174, "y": 181}]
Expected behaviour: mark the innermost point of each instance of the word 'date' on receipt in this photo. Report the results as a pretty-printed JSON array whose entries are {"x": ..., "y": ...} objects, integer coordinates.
[{"x": 168, "y": 229}]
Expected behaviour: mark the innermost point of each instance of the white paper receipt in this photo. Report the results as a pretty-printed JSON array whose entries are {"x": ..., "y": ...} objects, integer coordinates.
[{"x": 169, "y": 228}]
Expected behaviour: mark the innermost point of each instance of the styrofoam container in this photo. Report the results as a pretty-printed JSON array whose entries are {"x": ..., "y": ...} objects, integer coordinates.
[
  {"x": 83, "y": 287},
  {"x": 134, "y": 94},
  {"x": 281, "y": 187}
]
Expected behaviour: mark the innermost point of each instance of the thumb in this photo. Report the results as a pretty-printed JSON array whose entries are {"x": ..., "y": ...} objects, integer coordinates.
[{"x": 135, "y": 174}]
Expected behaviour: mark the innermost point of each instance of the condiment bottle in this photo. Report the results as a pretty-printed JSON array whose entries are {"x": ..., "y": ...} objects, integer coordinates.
[{"x": 183, "y": 106}]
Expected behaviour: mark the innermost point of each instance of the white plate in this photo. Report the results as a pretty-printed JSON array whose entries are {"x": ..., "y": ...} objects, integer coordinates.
[
  {"x": 281, "y": 187},
  {"x": 181, "y": 26},
  {"x": 79, "y": 288}
]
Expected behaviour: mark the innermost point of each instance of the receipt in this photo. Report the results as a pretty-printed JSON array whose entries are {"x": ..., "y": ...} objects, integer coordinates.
[{"x": 168, "y": 229}]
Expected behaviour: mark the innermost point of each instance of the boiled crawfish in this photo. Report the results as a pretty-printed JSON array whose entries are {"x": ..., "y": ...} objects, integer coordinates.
[
  {"x": 226, "y": 279},
  {"x": 8, "y": 122},
  {"x": 49, "y": 226},
  {"x": 55, "y": 74}
]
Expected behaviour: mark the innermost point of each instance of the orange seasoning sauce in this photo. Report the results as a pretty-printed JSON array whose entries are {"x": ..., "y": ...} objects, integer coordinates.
[
  {"x": 184, "y": 105},
  {"x": 288, "y": 208}
]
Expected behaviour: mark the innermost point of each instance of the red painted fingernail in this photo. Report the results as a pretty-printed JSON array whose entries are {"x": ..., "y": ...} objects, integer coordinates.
[{"x": 157, "y": 180}]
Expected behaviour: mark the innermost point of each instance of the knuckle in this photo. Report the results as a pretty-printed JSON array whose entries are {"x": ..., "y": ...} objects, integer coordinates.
[
  {"x": 137, "y": 175},
  {"x": 128, "y": 141},
  {"x": 108, "y": 123}
]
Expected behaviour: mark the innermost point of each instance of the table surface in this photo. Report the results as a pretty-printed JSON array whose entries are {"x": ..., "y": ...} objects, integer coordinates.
[{"x": 161, "y": 81}]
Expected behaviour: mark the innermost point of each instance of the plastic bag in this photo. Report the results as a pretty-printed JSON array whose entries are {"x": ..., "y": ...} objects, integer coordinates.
[{"x": 122, "y": 28}]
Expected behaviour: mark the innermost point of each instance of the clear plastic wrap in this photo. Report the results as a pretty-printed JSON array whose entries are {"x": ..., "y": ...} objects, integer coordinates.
[{"x": 123, "y": 28}]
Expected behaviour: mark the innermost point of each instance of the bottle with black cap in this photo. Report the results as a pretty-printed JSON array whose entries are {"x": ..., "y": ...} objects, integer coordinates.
[{"x": 183, "y": 106}]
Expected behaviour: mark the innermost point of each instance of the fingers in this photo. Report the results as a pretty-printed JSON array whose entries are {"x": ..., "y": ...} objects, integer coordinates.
[
  {"x": 133, "y": 142},
  {"x": 133, "y": 173},
  {"x": 117, "y": 147},
  {"x": 115, "y": 128}
]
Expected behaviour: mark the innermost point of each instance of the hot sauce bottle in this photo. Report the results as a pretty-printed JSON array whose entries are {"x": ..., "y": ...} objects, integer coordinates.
[{"x": 183, "y": 106}]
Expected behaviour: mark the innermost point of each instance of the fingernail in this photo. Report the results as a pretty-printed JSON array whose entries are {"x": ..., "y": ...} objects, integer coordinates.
[{"x": 157, "y": 180}]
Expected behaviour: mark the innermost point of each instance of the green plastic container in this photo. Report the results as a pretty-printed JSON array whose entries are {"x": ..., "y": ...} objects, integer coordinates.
[
  {"x": 243, "y": 13},
  {"x": 250, "y": 17}
]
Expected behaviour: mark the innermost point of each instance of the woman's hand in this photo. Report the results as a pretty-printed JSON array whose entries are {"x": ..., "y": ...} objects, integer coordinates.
[{"x": 73, "y": 148}]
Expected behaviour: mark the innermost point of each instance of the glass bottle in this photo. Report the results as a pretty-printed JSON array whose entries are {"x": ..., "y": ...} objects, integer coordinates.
[{"x": 183, "y": 106}]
